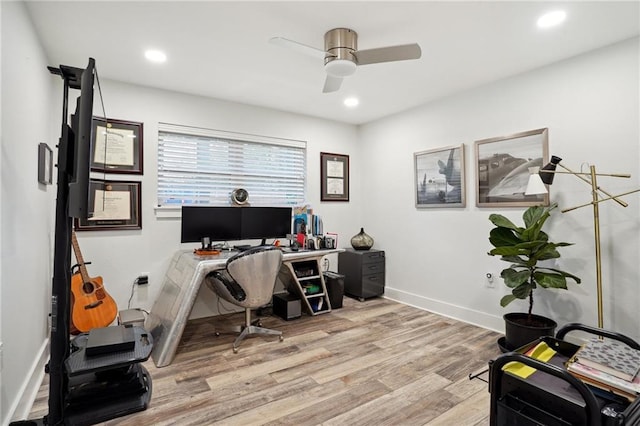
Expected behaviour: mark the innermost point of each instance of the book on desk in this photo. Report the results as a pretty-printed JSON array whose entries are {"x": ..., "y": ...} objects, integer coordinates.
[{"x": 608, "y": 365}]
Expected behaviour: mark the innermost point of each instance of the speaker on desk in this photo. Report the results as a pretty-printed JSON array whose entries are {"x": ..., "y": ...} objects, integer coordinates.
[
  {"x": 287, "y": 306},
  {"x": 335, "y": 288}
]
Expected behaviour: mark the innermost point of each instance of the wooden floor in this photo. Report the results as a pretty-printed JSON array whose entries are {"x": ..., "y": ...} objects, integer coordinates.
[{"x": 376, "y": 362}]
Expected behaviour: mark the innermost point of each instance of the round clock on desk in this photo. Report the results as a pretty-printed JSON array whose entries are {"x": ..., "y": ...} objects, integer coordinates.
[{"x": 240, "y": 196}]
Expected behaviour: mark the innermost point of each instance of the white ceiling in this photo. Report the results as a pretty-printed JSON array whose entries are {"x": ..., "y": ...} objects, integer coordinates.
[{"x": 221, "y": 49}]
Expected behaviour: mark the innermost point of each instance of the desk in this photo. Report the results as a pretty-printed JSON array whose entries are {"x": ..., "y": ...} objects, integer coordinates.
[{"x": 171, "y": 310}]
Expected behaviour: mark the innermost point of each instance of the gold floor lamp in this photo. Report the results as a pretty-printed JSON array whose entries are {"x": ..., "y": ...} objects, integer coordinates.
[{"x": 539, "y": 177}]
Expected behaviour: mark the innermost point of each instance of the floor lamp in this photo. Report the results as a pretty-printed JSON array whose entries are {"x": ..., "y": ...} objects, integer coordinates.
[{"x": 539, "y": 177}]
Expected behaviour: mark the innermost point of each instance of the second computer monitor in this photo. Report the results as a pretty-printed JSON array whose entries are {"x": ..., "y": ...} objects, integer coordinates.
[{"x": 265, "y": 222}]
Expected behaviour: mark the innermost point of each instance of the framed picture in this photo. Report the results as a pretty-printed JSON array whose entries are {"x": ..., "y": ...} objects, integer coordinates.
[
  {"x": 502, "y": 169},
  {"x": 114, "y": 205},
  {"x": 117, "y": 146},
  {"x": 334, "y": 177},
  {"x": 45, "y": 164},
  {"x": 439, "y": 177}
]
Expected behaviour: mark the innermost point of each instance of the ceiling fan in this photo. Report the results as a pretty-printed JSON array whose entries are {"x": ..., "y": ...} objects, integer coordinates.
[{"x": 341, "y": 54}]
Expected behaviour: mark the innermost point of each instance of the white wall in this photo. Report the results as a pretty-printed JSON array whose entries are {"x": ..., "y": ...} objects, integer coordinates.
[
  {"x": 27, "y": 208},
  {"x": 120, "y": 256},
  {"x": 436, "y": 258}
]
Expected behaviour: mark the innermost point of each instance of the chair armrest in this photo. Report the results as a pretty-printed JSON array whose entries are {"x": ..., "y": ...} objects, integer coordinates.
[{"x": 233, "y": 288}]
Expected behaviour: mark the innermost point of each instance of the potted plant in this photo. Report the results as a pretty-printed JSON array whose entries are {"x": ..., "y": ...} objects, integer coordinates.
[{"x": 524, "y": 247}]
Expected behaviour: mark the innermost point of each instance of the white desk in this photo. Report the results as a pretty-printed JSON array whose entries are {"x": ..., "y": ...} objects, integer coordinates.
[{"x": 180, "y": 287}]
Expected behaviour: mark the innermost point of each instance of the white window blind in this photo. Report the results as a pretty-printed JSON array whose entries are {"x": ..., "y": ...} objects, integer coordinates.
[{"x": 202, "y": 166}]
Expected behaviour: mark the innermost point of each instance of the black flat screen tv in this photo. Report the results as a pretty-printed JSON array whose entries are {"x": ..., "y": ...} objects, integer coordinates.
[
  {"x": 215, "y": 223},
  {"x": 81, "y": 125}
]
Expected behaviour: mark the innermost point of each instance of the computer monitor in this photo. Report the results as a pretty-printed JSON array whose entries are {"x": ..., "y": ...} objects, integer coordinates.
[
  {"x": 265, "y": 222},
  {"x": 214, "y": 223}
]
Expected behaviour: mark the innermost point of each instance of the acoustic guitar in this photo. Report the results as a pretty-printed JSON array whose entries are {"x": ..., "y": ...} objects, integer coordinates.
[{"x": 91, "y": 305}]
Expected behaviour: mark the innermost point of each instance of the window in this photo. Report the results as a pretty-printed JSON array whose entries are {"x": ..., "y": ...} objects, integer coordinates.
[{"x": 202, "y": 166}]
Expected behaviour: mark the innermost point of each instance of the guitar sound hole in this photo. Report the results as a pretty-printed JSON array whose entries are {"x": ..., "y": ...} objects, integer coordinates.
[{"x": 88, "y": 287}]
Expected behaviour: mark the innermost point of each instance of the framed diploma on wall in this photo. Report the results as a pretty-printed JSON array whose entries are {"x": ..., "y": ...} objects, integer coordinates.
[
  {"x": 117, "y": 146},
  {"x": 334, "y": 177},
  {"x": 114, "y": 205}
]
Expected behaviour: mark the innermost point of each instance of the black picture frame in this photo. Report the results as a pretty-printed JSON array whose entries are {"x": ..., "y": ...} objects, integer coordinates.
[
  {"x": 120, "y": 208},
  {"x": 334, "y": 177},
  {"x": 117, "y": 146},
  {"x": 45, "y": 164}
]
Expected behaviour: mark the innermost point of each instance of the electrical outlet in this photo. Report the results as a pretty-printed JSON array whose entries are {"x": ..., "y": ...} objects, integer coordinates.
[
  {"x": 489, "y": 283},
  {"x": 143, "y": 278}
]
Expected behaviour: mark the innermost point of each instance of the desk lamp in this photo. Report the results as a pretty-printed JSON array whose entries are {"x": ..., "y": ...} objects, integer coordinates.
[{"x": 539, "y": 177}]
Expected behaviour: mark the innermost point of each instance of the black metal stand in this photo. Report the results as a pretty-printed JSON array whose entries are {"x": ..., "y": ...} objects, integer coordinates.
[{"x": 86, "y": 395}]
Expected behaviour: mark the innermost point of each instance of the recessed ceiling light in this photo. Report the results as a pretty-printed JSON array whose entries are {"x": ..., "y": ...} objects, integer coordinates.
[
  {"x": 351, "y": 102},
  {"x": 552, "y": 19},
  {"x": 155, "y": 56}
]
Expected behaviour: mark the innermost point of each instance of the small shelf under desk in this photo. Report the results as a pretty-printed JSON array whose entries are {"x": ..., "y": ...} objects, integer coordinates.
[{"x": 304, "y": 279}]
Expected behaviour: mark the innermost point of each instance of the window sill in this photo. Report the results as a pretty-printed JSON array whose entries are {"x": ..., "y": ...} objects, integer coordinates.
[{"x": 164, "y": 212}]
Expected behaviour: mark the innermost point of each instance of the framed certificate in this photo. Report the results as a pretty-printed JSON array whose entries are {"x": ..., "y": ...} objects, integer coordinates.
[
  {"x": 334, "y": 177},
  {"x": 113, "y": 205},
  {"x": 116, "y": 146}
]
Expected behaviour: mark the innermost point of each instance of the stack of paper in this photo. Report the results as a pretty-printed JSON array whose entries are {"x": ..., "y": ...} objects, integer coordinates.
[{"x": 608, "y": 365}]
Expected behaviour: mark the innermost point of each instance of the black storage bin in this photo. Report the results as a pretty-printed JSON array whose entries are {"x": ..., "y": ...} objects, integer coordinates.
[
  {"x": 287, "y": 306},
  {"x": 335, "y": 288}
]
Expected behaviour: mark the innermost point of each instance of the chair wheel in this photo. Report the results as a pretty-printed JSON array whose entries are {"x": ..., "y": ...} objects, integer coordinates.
[
  {"x": 217, "y": 334},
  {"x": 235, "y": 350},
  {"x": 281, "y": 338},
  {"x": 259, "y": 323}
]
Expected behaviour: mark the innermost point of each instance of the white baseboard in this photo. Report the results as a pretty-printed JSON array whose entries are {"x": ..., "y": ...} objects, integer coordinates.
[
  {"x": 29, "y": 390},
  {"x": 480, "y": 319}
]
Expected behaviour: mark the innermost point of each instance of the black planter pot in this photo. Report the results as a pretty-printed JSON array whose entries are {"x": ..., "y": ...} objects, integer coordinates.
[{"x": 518, "y": 333}]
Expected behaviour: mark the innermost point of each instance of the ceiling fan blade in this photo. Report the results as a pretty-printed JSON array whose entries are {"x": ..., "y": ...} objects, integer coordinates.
[
  {"x": 332, "y": 84},
  {"x": 299, "y": 47},
  {"x": 388, "y": 54}
]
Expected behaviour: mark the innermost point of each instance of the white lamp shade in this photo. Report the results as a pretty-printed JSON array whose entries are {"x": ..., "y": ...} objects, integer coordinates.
[{"x": 535, "y": 185}]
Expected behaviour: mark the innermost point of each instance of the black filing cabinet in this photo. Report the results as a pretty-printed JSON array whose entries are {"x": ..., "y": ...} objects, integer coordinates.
[{"x": 363, "y": 272}]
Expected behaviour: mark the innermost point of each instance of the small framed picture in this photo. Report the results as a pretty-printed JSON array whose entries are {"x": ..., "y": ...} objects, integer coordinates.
[
  {"x": 45, "y": 164},
  {"x": 113, "y": 205},
  {"x": 503, "y": 167},
  {"x": 117, "y": 146},
  {"x": 334, "y": 177},
  {"x": 439, "y": 177}
]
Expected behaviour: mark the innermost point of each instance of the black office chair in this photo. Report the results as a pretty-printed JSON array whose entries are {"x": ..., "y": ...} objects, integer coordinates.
[{"x": 248, "y": 281}]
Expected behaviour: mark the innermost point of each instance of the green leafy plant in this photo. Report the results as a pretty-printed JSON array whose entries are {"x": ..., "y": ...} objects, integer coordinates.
[{"x": 524, "y": 248}]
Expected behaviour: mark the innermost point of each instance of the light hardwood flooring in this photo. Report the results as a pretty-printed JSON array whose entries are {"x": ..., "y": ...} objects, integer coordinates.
[{"x": 375, "y": 362}]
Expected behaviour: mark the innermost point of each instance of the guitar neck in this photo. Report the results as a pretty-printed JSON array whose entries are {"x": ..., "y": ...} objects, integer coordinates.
[{"x": 76, "y": 250}]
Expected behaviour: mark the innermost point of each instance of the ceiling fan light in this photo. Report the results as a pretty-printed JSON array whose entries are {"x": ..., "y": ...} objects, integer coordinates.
[{"x": 340, "y": 68}]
